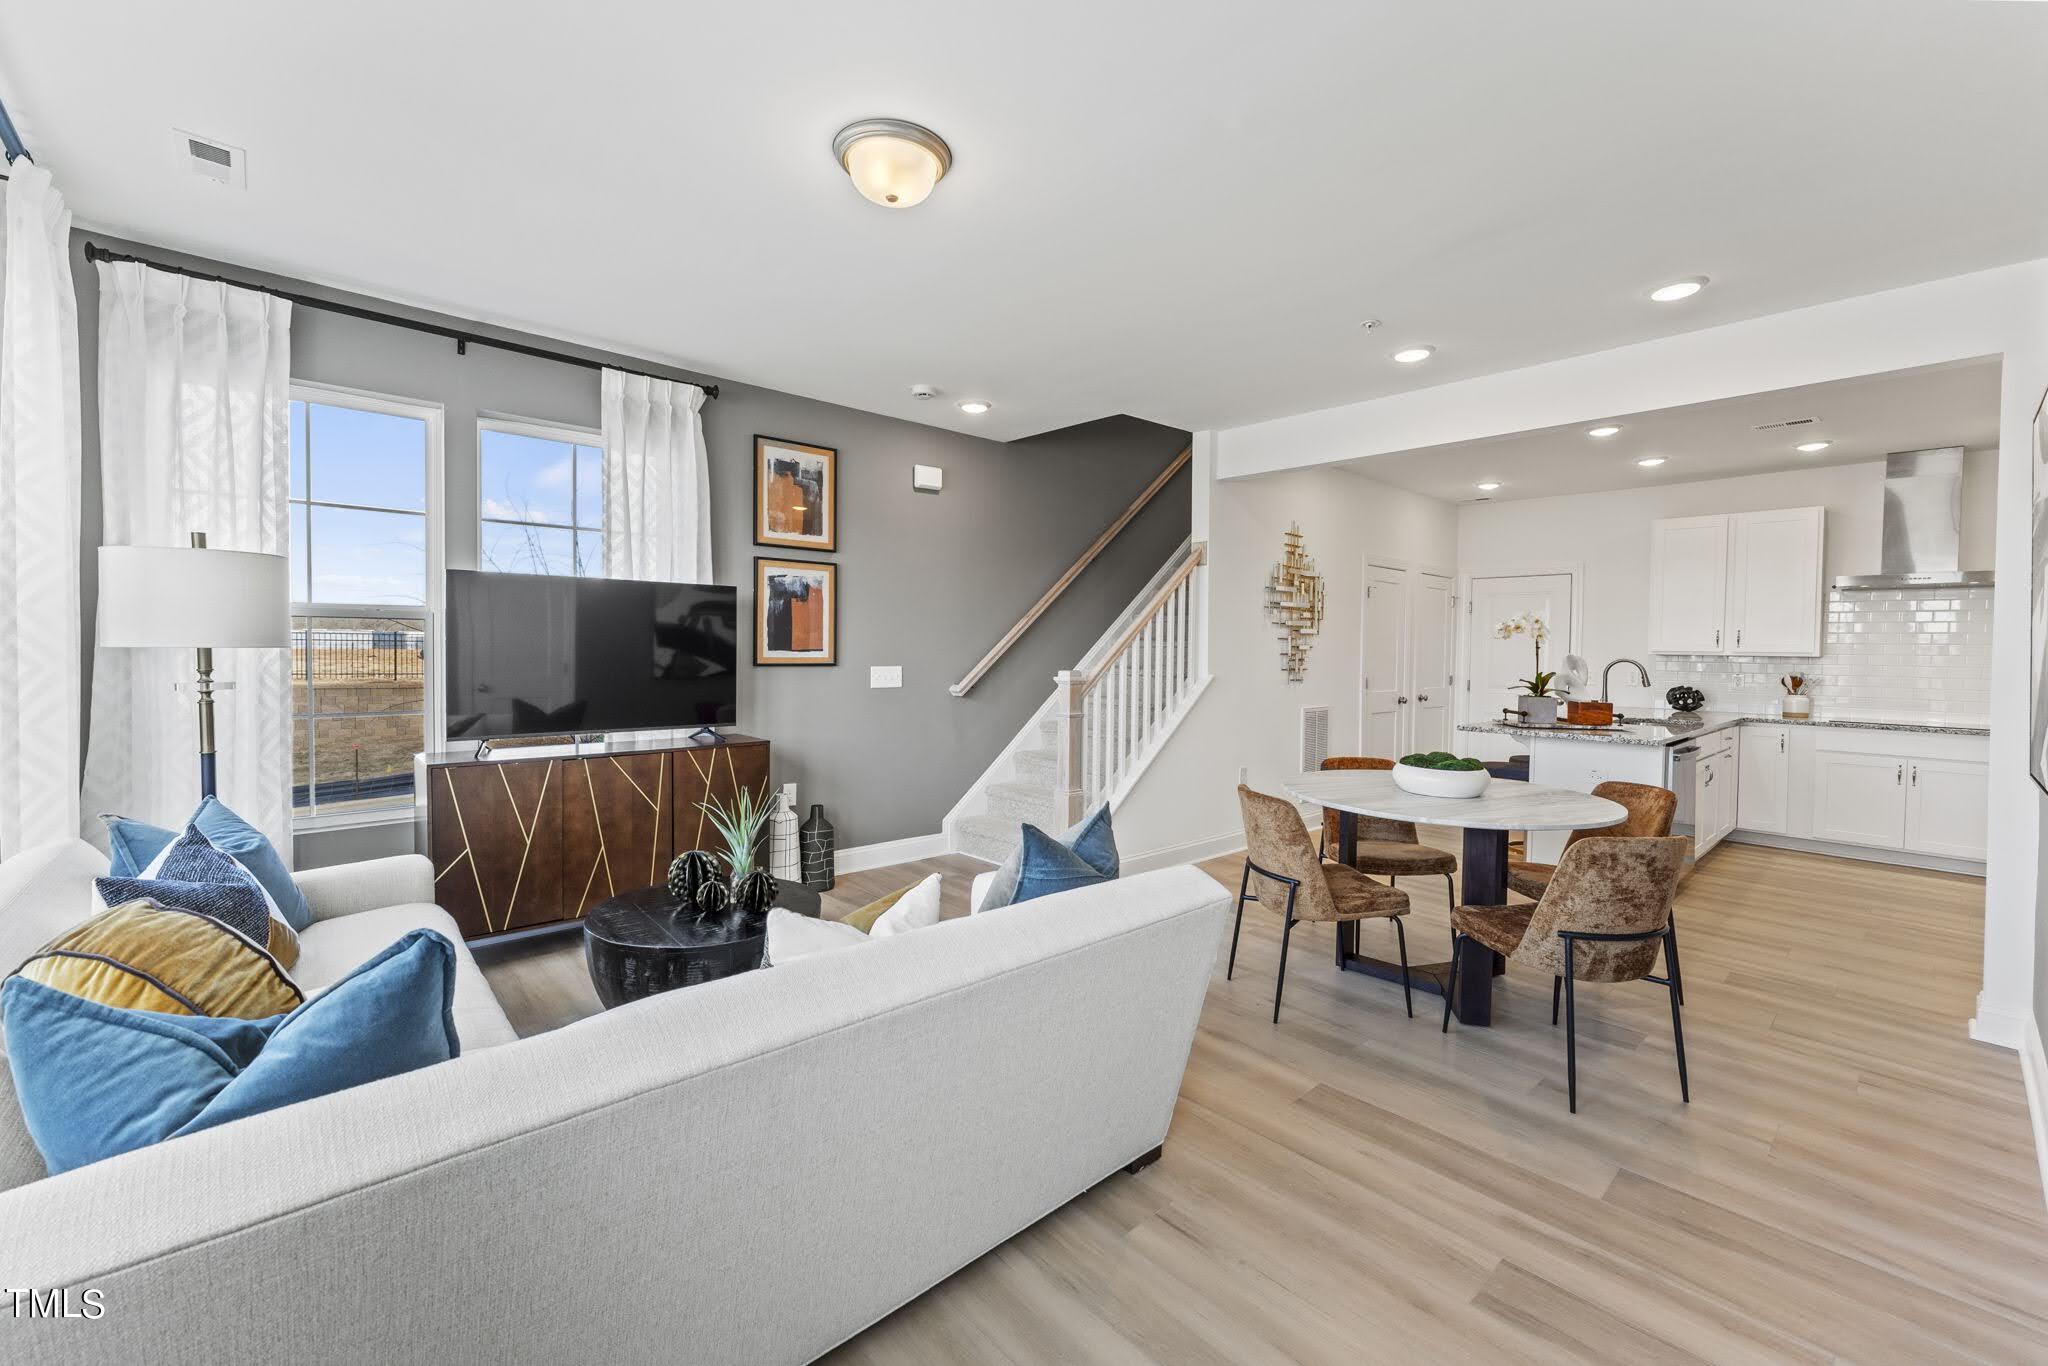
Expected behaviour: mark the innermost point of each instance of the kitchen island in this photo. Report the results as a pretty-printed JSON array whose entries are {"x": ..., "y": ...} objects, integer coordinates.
[{"x": 1899, "y": 791}]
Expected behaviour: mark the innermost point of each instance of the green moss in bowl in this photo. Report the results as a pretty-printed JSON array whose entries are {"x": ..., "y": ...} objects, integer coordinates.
[{"x": 1438, "y": 759}]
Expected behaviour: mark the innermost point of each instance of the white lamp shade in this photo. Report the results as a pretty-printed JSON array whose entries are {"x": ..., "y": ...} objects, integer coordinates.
[{"x": 222, "y": 599}]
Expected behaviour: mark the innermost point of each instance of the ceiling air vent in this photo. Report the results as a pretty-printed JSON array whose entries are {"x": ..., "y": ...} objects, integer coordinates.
[
  {"x": 210, "y": 160},
  {"x": 1781, "y": 426},
  {"x": 1315, "y": 737}
]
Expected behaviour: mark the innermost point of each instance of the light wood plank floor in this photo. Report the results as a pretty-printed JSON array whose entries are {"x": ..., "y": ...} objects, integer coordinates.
[{"x": 1854, "y": 1179}]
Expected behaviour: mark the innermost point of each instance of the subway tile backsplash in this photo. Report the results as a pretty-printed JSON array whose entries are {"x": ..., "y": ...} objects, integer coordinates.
[{"x": 1896, "y": 654}]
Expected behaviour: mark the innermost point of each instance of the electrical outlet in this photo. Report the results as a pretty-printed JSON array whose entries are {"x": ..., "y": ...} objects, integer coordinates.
[{"x": 885, "y": 676}]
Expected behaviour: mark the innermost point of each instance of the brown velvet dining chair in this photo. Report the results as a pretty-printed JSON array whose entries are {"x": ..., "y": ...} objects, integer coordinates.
[
  {"x": 1388, "y": 849},
  {"x": 1278, "y": 852},
  {"x": 1650, "y": 811},
  {"x": 1601, "y": 917}
]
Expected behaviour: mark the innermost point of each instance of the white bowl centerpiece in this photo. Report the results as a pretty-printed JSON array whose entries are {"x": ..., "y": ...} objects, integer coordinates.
[{"x": 1438, "y": 774}]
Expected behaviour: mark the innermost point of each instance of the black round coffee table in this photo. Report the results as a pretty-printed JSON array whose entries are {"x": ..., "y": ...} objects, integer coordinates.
[{"x": 639, "y": 943}]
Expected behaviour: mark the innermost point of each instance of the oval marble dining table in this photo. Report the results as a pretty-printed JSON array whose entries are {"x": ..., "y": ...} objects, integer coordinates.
[{"x": 1483, "y": 871}]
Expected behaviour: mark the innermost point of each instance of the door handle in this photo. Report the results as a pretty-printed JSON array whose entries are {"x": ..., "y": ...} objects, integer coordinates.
[
  {"x": 1710, "y": 779},
  {"x": 1781, "y": 744},
  {"x": 1916, "y": 775},
  {"x": 1717, "y": 639},
  {"x": 1738, "y": 635},
  {"x": 1900, "y": 776},
  {"x": 1402, "y": 700},
  {"x": 1422, "y": 697}
]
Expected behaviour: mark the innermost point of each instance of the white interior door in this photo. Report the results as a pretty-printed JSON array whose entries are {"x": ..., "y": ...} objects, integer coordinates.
[
  {"x": 1429, "y": 651},
  {"x": 1495, "y": 665},
  {"x": 1384, "y": 703}
]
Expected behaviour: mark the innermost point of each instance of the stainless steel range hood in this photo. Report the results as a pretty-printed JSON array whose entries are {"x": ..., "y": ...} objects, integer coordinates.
[{"x": 1923, "y": 518}]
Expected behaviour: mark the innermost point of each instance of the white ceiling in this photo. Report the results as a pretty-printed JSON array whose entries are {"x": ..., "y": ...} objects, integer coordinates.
[
  {"x": 1181, "y": 212},
  {"x": 1863, "y": 419}
]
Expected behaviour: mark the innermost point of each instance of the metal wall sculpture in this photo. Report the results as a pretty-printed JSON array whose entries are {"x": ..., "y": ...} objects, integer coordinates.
[{"x": 1294, "y": 603}]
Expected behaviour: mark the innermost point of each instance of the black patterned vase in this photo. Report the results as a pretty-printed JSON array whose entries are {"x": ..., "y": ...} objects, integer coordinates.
[
  {"x": 816, "y": 841},
  {"x": 713, "y": 897},
  {"x": 1683, "y": 698},
  {"x": 754, "y": 893},
  {"x": 688, "y": 873}
]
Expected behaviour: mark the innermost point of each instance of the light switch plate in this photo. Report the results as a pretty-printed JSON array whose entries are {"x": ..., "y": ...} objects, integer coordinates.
[{"x": 885, "y": 676}]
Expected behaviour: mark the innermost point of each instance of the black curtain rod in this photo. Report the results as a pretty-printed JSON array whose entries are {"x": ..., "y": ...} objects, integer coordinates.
[{"x": 463, "y": 340}]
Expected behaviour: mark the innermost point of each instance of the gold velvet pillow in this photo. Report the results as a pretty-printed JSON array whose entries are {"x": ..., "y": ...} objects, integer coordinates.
[
  {"x": 864, "y": 919},
  {"x": 143, "y": 956}
]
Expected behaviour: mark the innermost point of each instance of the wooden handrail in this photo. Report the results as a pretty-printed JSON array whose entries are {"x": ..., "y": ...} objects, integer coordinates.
[
  {"x": 1051, "y": 595},
  {"x": 1144, "y": 618}
]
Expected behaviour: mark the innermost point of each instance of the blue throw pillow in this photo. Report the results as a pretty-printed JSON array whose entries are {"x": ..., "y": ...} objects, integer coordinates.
[
  {"x": 93, "y": 1081},
  {"x": 1047, "y": 866},
  {"x": 135, "y": 843},
  {"x": 1092, "y": 841},
  {"x": 195, "y": 876}
]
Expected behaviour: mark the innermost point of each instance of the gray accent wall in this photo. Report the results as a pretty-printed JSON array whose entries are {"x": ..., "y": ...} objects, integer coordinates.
[{"x": 927, "y": 581}]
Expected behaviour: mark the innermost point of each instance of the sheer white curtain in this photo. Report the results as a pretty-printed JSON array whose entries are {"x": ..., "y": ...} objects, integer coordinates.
[
  {"x": 195, "y": 435},
  {"x": 39, "y": 501},
  {"x": 657, "y": 482}
]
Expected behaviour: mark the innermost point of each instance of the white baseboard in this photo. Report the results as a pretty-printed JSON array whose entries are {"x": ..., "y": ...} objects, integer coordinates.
[
  {"x": 2034, "y": 1067},
  {"x": 1898, "y": 858},
  {"x": 1192, "y": 852},
  {"x": 2007, "y": 1029},
  {"x": 862, "y": 857}
]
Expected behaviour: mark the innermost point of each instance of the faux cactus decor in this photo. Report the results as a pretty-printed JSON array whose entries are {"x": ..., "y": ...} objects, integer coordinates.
[{"x": 688, "y": 872}]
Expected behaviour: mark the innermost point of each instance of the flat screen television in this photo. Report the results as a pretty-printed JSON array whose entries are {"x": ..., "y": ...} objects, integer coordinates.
[{"x": 541, "y": 654}]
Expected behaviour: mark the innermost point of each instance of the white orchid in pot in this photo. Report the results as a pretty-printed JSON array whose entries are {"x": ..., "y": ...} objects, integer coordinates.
[{"x": 1538, "y": 704}]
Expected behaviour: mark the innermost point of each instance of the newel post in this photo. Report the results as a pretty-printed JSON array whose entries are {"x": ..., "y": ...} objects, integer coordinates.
[{"x": 1069, "y": 690}]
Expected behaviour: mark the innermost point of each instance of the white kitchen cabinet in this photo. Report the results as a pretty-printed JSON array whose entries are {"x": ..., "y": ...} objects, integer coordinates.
[
  {"x": 1688, "y": 584},
  {"x": 1860, "y": 798},
  {"x": 1945, "y": 808},
  {"x": 1746, "y": 583},
  {"x": 1717, "y": 781},
  {"x": 1761, "y": 803},
  {"x": 1774, "y": 582}
]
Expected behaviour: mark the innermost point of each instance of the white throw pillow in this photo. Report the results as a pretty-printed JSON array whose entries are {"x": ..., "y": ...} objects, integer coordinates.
[
  {"x": 914, "y": 910},
  {"x": 792, "y": 936}
]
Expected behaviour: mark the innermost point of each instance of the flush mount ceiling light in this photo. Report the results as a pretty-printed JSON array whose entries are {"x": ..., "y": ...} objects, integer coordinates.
[
  {"x": 1488, "y": 487},
  {"x": 1410, "y": 355},
  {"x": 893, "y": 163},
  {"x": 1608, "y": 430},
  {"x": 975, "y": 407},
  {"x": 1809, "y": 447},
  {"x": 1679, "y": 289},
  {"x": 1650, "y": 462}
]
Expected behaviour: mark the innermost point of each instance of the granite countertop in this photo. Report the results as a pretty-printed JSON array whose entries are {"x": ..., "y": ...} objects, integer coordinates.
[{"x": 1682, "y": 726}]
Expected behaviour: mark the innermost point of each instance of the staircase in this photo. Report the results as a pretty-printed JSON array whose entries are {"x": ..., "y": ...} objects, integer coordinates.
[{"x": 1105, "y": 720}]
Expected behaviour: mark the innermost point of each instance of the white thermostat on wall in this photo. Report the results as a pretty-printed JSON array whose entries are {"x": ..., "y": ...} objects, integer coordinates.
[{"x": 927, "y": 478}]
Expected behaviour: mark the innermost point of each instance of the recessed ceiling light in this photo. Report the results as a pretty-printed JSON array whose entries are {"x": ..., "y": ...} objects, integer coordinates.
[
  {"x": 1412, "y": 354},
  {"x": 1608, "y": 430},
  {"x": 1678, "y": 289},
  {"x": 1650, "y": 462},
  {"x": 1809, "y": 447},
  {"x": 1487, "y": 487},
  {"x": 974, "y": 407},
  {"x": 893, "y": 162}
]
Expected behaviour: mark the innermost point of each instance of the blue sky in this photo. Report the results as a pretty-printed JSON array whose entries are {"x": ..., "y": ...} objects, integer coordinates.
[{"x": 375, "y": 552}]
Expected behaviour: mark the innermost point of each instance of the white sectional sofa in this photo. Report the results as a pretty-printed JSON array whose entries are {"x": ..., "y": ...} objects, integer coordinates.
[{"x": 751, "y": 1170}]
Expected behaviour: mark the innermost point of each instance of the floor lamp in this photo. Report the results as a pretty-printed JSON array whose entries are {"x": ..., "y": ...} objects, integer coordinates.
[{"x": 197, "y": 599}]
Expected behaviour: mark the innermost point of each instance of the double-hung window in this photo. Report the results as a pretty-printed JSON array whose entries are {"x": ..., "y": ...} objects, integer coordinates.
[
  {"x": 541, "y": 490},
  {"x": 364, "y": 557}
]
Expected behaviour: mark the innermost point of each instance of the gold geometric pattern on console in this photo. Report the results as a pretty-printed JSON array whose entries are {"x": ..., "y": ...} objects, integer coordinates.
[{"x": 526, "y": 830}]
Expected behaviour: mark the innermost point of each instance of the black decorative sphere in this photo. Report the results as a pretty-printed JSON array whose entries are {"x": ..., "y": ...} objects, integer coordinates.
[
  {"x": 1683, "y": 698},
  {"x": 688, "y": 873},
  {"x": 712, "y": 898},
  {"x": 754, "y": 893}
]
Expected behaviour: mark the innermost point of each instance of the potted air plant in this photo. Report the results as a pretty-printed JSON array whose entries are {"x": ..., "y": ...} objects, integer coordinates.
[
  {"x": 1795, "y": 704},
  {"x": 748, "y": 887},
  {"x": 1538, "y": 705}
]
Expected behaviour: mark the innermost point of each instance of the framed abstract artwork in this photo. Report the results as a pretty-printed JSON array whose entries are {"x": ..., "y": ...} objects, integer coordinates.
[
  {"x": 2037, "y": 627},
  {"x": 796, "y": 495},
  {"x": 796, "y": 612}
]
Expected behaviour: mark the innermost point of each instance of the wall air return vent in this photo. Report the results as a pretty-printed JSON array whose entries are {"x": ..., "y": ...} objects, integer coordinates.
[
  {"x": 210, "y": 159},
  {"x": 1315, "y": 737}
]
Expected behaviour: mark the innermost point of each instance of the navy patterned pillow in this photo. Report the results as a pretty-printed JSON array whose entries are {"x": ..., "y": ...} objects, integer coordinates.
[{"x": 193, "y": 875}]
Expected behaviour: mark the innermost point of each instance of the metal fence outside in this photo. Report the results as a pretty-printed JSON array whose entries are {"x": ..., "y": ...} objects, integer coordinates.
[{"x": 329, "y": 655}]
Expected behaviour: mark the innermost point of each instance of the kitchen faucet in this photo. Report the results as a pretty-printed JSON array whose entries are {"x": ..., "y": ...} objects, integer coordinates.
[{"x": 1640, "y": 670}]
